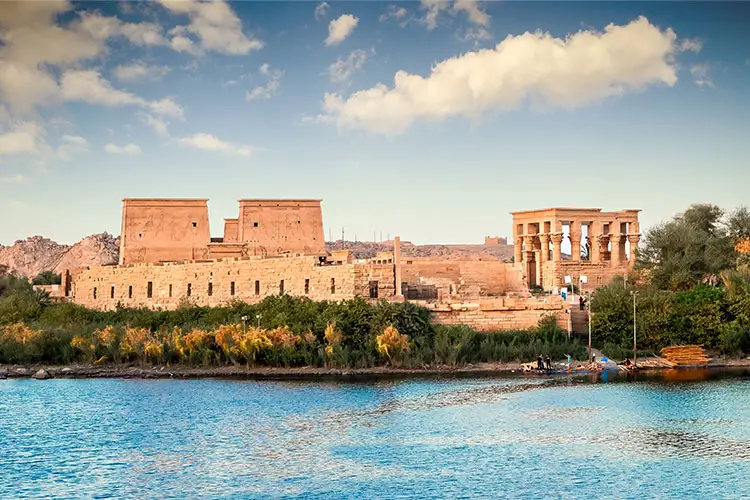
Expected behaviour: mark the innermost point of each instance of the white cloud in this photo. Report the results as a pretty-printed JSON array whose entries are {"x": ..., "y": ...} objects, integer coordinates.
[
  {"x": 271, "y": 87},
  {"x": 341, "y": 70},
  {"x": 12, "y": 179},
  {"x": 138, "y": 71},
  {"x": 339, "y": 29},
  {"x": 475, "y": 35},
  {"x": 393, "y": 12},
  {"x": 209, "y": 142},
  {"x": 321, "y": 10},
  {"x": 434, "y": 7},
  {"x": 215, "y": 26},
  {"x": 103, "y": 28},
  {"x": 71, "y": 144},
  {"x": 700, "y": 76},
  {"x": 691, "y": 45},
  {"x": 472, "y": 10},
  {"x": 229, "y": 83},
  {"x": 89, "y": 86},
  {"x": 128, "y": 149},
  {"x": 159, "y": 125},
  {"x": 22, "y": 139},
  {"x": 582, "y": 68}
]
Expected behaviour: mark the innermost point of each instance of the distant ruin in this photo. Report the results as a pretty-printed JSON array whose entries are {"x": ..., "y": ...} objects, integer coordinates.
[{"x": 277, "y": 247}]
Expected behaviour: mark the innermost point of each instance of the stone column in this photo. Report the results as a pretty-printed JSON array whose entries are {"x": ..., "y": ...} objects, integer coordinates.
[
  {"x": 397, "y": 264},
  {"x": 544, "y": 242},
  {"x": 575, "y": 246},
  {"x": 556, "y": 246},
  {"x": 633, "y": 239},
  {"x": 529, "y": 252},
  {"x": 616, "y": 258},
  {"x": 595, "y": 233},
  {"x": 517, "y": 255}
]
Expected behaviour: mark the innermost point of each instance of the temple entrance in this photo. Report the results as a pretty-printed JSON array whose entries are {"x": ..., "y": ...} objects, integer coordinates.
[{"x": 531, "y": 272}]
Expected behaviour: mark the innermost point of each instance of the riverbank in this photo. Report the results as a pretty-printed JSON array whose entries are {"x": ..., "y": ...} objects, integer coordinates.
[{"x": 85, "y": 371}]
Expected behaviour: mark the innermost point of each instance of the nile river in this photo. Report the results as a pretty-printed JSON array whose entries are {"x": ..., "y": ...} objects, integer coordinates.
[{"x": 420, "y": 438}]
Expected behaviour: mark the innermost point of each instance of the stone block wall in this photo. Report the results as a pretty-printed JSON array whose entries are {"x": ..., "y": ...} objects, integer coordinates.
[
  {"x": 504, "y": 313},
  {"x": 466, "y": 278},
  {"x": 597, "y": 274},
  {"x": 213, "y": 283}
]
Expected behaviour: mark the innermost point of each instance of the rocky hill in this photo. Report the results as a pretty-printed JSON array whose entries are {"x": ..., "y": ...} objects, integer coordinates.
[{"x": 34, "y": 255}]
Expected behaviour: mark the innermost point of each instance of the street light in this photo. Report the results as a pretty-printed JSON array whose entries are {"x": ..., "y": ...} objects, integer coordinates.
[
  {"x": 244, "y": 320},
  {"x": 635, "y": 341},
  {"x": 258, "y": 318}
]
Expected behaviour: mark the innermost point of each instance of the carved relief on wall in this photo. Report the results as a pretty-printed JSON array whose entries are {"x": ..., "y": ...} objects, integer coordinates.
[
  {"x": 139, "y": 254},
  {"x": 204, "y": 253}
]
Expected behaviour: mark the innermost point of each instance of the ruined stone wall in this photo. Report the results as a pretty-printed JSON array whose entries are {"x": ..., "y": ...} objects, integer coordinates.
[
  {"x": 282, "y": 226},
  {"x": 468, "y": 278},
  {"x": 212, "y": 283},
  {"x": 504, "y": 313},
  {"x": 156, "y": 230},
  {"x": 597, "y": 274}
]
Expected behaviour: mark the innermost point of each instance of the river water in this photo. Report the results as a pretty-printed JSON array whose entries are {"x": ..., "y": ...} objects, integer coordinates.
[{"x": 516, "y": 437}]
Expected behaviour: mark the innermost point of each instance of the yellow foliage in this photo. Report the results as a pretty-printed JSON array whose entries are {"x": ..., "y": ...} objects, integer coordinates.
[
  {"x": 153, "y": 348},
  {"x": 197, "y": 340},
  {"x": 229, "y": 338},
  {"x": 20, "y": 333},
  {"x": 333, "y": 338},
  {"x": 106, "y": 336},
  {"x": 253, "y": 342},
  {"x": 309, "y": 338},
  {"x": 392, "y": 342},
  {"x": 743, "y": 246},
  {"x": 282, "y": 337},
  {"x": 134, "y": 340}
]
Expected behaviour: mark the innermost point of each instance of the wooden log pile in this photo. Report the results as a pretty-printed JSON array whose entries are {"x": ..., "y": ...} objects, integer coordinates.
[{"x": 685, "y": 355}]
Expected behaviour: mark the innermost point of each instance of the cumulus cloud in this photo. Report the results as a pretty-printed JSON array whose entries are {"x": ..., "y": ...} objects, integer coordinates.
[
  {"x": 139, "y": 71},
  {"x": 273, "y": 83},
  {"x": 471, "y": 8},
  {"x": 343, "y": 69},
  {"x": 89, "y": 86},
  {"x": 22, "y": 139},
  {"x": 339, "y": 29},
  {"x": 691, "y": 45},
  {"x": 321, "y": 10},
  {"x": 700, "y": 76},
  {"x": 214, "y": 26},
  {"x": 208, "y": 142},
  {"x": 159, "y": 125},
  {"x": 40, "y": 60},
  {"x": 582, "y": 68},
  {"x": 393, "y": 12},
  {"x": 71, "y": 144},
  {"x": 128, "y": 149}
]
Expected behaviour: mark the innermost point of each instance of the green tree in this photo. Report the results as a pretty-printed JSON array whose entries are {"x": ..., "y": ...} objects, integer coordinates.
[{"x": 47, "y": 278}]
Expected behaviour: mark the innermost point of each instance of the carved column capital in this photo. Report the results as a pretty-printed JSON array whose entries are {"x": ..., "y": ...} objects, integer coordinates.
[
  {"x": 544, "y": 238},
  {"x": 617, "y": 238},
  {"x": 556, "y": 238},
  {"x": 634, "y": 238}
]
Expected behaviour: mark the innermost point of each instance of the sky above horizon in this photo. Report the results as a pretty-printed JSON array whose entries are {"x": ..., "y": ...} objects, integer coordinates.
[{"x": 429, "y": 120}]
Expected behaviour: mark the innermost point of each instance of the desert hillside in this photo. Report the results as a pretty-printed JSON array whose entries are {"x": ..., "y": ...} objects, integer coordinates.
[{"x": 37, "y": 254}]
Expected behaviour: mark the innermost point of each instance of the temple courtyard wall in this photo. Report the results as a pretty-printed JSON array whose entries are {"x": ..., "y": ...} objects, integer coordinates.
[{"x": 217, "y": 282}]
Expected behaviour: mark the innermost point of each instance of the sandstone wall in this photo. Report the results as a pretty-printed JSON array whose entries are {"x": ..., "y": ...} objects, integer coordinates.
[
  {"x": 212, "y": 283},
  {"x": 504, "y": 313},
  {"x": 597, "y": 274},
  {"x": 282, "y": 225},
  {"x": 467, "y": 278},
  {"x": 154, "y": 230}
]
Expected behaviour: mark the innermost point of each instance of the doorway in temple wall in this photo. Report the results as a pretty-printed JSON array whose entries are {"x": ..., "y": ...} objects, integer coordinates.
[{"x": 531, "y": 272}]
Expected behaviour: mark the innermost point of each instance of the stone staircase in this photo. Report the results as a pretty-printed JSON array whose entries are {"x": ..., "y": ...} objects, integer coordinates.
[{"x": 580, "y": 321}]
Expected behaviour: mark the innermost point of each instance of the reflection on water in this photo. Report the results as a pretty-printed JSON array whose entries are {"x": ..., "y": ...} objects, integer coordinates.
[{"x": 683, "y": 434}]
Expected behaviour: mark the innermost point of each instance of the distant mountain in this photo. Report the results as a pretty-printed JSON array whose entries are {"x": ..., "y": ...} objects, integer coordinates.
[{"x": 34, "y": 255}]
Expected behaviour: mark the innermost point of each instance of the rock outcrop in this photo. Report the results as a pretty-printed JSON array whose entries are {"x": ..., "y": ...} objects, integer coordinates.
[{"x": 37, "y": 254}]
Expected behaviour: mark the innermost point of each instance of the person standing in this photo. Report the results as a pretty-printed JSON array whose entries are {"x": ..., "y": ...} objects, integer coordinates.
[
  {"x": 570, "y": 362},
  {"x": 548, "y": 362},
  {"x": 581, "y": 301}
]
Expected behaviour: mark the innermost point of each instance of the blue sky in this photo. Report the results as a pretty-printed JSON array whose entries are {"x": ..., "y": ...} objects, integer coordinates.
[{"x": 497, "y": 106}]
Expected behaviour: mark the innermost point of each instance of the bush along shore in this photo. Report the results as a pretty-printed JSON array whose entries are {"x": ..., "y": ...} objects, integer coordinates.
[{"x": 283, "y": 332}]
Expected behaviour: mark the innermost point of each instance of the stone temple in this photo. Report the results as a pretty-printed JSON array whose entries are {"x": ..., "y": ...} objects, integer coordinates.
[{"x": 277, "y": 247}]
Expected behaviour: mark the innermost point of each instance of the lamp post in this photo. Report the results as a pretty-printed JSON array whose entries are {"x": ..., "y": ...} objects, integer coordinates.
[
  {"x": 244, "y": 321},
  {"x": 635, "y": 339},
  {"x": 257, "y": 316}
]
